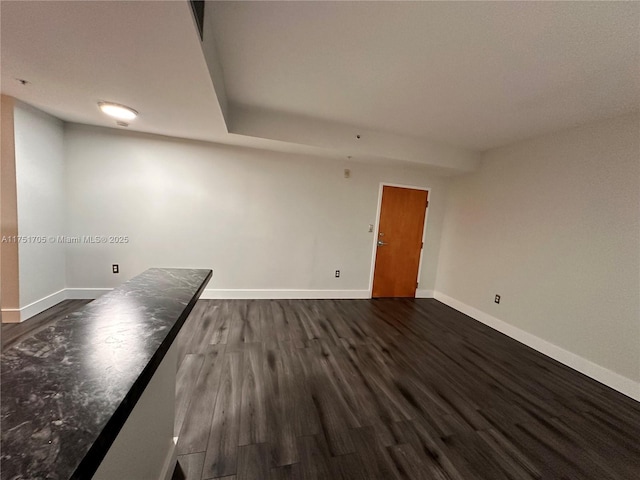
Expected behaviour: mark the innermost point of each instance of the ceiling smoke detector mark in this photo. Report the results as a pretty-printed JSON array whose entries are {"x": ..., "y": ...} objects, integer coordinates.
[
  {"x": 358, "y": 136},
  {"x": 122, "y": 124}
]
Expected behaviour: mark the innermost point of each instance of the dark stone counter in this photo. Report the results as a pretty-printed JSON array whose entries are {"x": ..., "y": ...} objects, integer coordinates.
[{"x": 67, "y": 390}]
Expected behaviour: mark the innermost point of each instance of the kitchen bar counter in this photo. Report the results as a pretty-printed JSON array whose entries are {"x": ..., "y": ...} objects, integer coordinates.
[{"x": 67, "y": 391}]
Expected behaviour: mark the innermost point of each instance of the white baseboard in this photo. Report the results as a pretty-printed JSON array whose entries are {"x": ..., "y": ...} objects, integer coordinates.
[
  {"x": 15, "y": 315},
  {"x": 603, "y": 375},
  {"x": 214, "y": 293},
  {"x": 424, "y": 293},
  {"x": 85, "y": 293},
  {"x": 71, "y": 293},
  {"x": 41, "y": 305}
]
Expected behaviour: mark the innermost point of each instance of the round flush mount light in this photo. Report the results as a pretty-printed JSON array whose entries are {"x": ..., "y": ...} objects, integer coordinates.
[{"x": 115, "y": 110}]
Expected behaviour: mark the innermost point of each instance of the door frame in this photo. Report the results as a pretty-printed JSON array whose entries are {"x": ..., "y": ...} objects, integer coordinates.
[{"x": 374, "y": 249}]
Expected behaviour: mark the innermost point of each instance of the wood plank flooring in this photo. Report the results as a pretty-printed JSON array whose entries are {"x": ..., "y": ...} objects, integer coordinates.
[
  {"x": 385, "y": 389},
  {"x": 379, "y": 389}
]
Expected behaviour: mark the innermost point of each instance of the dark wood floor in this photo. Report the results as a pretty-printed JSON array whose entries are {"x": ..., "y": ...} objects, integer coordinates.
[
  {"x": 382, "y": 389},
  {"x": 385, "y": 389}
]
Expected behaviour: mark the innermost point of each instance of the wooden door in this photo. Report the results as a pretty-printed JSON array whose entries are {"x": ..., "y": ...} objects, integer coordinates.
[{"x": 399, "y": 242}]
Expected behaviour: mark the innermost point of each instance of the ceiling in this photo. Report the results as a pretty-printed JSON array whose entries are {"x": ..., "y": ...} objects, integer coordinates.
[
  {"x": 431, "y": 83},
  {"x": 144, "y": 54}
]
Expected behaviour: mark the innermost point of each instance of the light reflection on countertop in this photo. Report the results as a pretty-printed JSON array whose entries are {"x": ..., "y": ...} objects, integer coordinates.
[{"x": 67, "y": 389}]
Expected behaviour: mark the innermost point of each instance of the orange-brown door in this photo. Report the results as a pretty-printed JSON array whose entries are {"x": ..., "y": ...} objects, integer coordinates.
[{"x": 399, "y": 242}]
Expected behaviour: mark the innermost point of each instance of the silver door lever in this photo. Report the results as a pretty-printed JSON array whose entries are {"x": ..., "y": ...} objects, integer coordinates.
[{"x": 381, "y": 243}]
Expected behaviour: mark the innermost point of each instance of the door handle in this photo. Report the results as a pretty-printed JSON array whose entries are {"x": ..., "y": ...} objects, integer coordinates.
[{"x": 381, "y": 243}]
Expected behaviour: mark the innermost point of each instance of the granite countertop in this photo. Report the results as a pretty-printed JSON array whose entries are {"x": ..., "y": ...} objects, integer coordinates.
[{"x": 67, "y": 390}]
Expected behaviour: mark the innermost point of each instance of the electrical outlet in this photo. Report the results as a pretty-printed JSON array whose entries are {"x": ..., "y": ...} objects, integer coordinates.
[
  {"x": 337, "y": 273},
  {"x": 115, "y": 268},
  {"x": 497, "y": 300}
]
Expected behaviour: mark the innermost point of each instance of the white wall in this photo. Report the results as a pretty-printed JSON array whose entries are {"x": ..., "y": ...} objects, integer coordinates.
[
  {"x": 553, "y": 225},
  {"x": 39, "y": 155},
  {"x": 261, "y": 220}
]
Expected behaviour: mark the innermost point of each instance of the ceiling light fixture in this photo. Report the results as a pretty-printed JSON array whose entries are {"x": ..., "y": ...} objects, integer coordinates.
[{"x": 115, "y": 110}]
